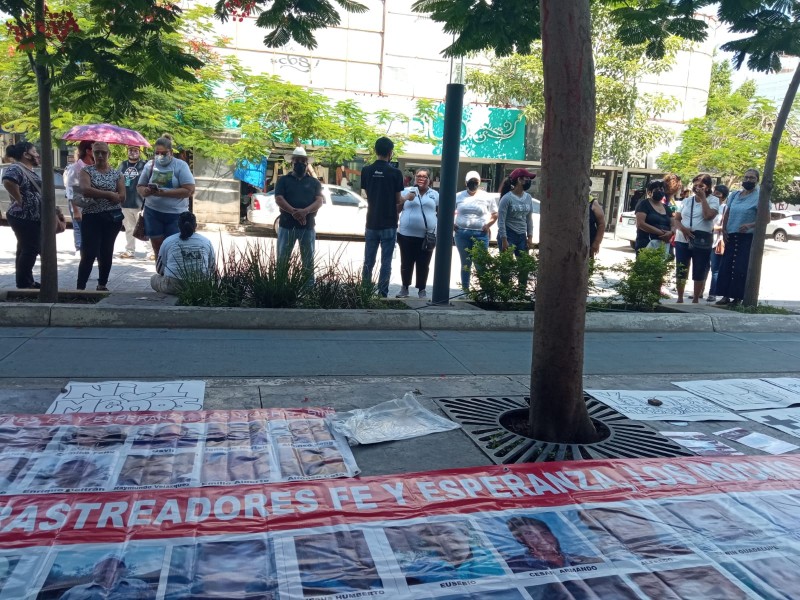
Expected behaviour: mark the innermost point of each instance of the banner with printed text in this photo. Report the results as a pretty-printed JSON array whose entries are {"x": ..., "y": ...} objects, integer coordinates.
[{"x": 652, "y": 528}]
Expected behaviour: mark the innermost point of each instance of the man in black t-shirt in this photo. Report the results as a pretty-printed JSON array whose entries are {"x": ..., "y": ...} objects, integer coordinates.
[
  {"x": 383, "y": 184},
  {"x": 299, "y": 196}
]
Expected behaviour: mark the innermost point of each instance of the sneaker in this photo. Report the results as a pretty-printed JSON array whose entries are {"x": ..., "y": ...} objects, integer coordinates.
[
  {"x": 422, "y": 294},
  {"x": 711, "y": 298},
  {"x": 127, "y": 254},
  {"x": 403, "y": 293},
  {"x": 722, "y": 302}
]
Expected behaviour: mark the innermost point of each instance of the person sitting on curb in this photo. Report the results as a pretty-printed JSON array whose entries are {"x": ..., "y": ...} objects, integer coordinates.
[{"x": 182, "y": 255}]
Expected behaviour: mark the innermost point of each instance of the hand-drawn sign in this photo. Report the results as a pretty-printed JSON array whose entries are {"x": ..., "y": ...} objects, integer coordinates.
[{"x": 118, "y": 396}]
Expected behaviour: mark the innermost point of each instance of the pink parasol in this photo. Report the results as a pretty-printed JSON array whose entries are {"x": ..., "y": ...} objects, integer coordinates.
[{"x": 104, "y": 132}]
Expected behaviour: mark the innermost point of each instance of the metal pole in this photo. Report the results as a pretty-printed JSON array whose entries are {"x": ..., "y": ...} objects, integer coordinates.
[{"x": 451, "y": 144}]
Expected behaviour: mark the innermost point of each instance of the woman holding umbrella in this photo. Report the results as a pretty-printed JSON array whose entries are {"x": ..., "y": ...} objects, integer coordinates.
[{"x": 103, "y": 190}]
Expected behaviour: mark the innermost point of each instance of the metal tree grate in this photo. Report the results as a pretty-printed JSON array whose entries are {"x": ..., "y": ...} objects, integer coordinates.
[{"x": 482, "y": 420}]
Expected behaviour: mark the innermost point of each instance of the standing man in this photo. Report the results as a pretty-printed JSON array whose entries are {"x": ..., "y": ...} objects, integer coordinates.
[
  {"x": 299, "y": 197},
  {"x": 383, "y": 184},
  {"x": 131, "y": 169}
]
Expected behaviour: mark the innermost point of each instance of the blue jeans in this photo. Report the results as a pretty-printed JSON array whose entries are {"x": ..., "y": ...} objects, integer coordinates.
[
  {"x": 306, "y": 238},
  {"x": 76, "y": 226},
  {"x": 716, "y": 263},
  {"x": 159, "y": 224},
  {"x": 465, "y": 239},
  {"x": 386, "y": 239},
  {"x": 518, "y": 240}
]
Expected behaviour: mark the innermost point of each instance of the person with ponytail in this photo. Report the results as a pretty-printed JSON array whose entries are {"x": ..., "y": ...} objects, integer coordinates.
[
  {"x": 515, "y": 213},
  {"x": 24, "y": 187},
  {"x": 183, "y": 255}
]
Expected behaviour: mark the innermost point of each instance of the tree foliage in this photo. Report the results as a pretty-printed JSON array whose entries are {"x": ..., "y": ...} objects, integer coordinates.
[
  {"x": 624, "y": 132},
  {"x": 735, "y": 136}
]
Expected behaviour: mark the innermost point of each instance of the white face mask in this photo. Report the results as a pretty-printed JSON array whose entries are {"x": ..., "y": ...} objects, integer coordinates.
[{"x": 163, "y": 160}]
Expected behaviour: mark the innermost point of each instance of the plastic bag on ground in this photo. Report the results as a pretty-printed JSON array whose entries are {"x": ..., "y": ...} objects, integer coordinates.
[{"x": 397, "y": 419}]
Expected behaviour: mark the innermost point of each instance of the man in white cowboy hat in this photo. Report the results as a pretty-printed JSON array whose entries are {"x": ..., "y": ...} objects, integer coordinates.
[{"x": 299, "y": 196}]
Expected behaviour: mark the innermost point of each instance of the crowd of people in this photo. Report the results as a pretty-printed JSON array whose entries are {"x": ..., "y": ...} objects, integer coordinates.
[
  {"x": 103, "y": 201},
  {"x": 709, "y": 229},
  {"x": 706, "y": 228}
]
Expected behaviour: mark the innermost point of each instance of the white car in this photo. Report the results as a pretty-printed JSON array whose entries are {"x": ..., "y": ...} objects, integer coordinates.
[
  {"x": 784, "y": 225},
  {"x": 626, "y": 228},
  {"x": 343, "y": 213}
]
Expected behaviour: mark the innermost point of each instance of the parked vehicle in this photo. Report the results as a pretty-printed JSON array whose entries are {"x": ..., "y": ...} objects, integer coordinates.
[
  {"x": 626, "y": 227},
  {"x": 537, "y": 209},
  {"x": 343, "y": 213},
  {"x": 61, "y": 195},
  {"x": 784, "y": 225}
]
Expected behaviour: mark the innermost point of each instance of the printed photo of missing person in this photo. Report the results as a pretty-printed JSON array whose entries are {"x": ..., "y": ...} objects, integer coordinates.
[
  {"x": 782, "y": 510},
  {"x": 85, "y": 439},
  {"x": 237, "y": 465},
  {"x": 441, "y": 551},
  {"x": 222, "y": 570},
  {"x": 594, "y": 588},
  {"x": 146, "y": 470},
  {"x": 8, "y": 563},
  {"x": 624, "y": 531},
  {"x": 504, "y": 594},
  {"x": 299, "y": 463},
  {"x": 81, "y": 574},
  {"x": 335, "y": 563},
  {"x": 71, "y": 472},
  {"x": 13, "y": 468},
  {"x": 537, "y": 542},
  {"x": 722, "y": 522},
  {"x": 229, "y": 435},
  {"x": 773, "y": 577},
  {"x": 168, "y": 436},
  {"x": 694, "y": 582},
  {"x": 27, "y": 439}
]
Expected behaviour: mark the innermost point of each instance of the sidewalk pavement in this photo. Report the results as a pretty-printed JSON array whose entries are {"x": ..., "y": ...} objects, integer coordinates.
[{"x": 358, "y": 369}]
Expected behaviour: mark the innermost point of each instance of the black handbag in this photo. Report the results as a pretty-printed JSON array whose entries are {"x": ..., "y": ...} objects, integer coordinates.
[
  {"x": 703, "y": 240},
  {"x": 429, "y": 243}
]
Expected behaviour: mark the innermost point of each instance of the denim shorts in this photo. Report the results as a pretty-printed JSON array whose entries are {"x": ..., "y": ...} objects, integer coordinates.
[{"x": 159, "y": 224}]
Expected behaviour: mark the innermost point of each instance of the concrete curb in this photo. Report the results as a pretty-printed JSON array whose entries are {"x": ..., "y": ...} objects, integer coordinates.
[
  {"x": 230, "y": 318},
  {"x": 25, "y": 314},
  {"x": 82, "y": 315}
]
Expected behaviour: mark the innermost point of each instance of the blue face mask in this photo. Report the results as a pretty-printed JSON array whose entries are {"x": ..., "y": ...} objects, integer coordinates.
[{"x": 163, "y": 160}]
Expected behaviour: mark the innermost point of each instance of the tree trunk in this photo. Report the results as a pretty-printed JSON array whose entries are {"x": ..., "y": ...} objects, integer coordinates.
[
  {"x": 558, "y": 411},
  {"x": 767, "y": 183},
  {"x": 48, "y": 259}
]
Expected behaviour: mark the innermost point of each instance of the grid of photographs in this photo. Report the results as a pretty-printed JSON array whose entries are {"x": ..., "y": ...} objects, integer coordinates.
[
  {"x": 673, "y": 548},
  {"x": 179, "y": 449}
]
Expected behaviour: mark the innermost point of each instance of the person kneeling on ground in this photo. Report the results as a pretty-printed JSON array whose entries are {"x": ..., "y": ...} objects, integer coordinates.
[{"x": 182, "y": 255}]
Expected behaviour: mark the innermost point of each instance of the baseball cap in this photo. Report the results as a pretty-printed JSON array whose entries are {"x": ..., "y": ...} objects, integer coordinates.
[
  {"x": 472, "y": 175},
  {"x": 522, "y": 173}
]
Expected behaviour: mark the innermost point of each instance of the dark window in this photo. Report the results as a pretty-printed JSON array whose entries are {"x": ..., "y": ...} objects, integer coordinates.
[{"x": 342, "y": 197}]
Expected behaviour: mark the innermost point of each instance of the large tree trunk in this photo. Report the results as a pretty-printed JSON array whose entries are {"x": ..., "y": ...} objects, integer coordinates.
[
  {"x": 558, "y": 412},
  {"x": 767, "y": 183},
  {"x": 49, "y": 261}
]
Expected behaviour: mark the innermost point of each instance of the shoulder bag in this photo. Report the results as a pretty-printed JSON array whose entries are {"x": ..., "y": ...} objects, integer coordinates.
[
  {"x": 138, "y": 229},
  {"x": 703, "y": 240},
  {"x": 429, "y": 243}
]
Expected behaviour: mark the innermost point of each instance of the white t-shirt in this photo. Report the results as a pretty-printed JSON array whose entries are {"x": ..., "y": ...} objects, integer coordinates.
[
  {"x": 411, "y": 221},
  {"x": 473, "y": 212},
  {"x": 178, "y": 256},
  {"x": 692, "y": 212}
]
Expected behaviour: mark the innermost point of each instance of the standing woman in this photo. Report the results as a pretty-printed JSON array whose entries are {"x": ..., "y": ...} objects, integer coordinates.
[
  {"x": 166, "y": 182},
  {"x": 738, "y": 226},
  {"x": 717, "y": 245},
  {"x": 103, "y": 190},
  {"x": 476, "y": 212},
  {"x": 693, "y": 236},
  {"x": 515, "y": 213},
  {"x": 653, "y": 221},
  {"x": 417, "y": 218},
  {"x": 25, "y": 212}
]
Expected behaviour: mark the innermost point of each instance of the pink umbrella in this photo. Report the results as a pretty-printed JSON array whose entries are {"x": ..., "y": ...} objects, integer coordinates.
[{"x": 104, "y": 132}]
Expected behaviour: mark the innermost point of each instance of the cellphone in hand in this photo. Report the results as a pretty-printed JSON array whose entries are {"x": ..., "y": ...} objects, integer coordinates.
[{"x": 153, "y": 186}]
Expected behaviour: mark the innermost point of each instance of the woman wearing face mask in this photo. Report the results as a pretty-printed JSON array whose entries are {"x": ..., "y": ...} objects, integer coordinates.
[
  {"x": 738, "y": 226},
  {"x": 476, "y": 212},
  {"x": 24, "y": 215},
  {"x": 693, "y": 236},
  {"x": 515, "y": 213},
  {"x": 103, "y": 190},
  {"x": 718, "y": 244},
  {"x": 166, "y": 182},
  {"x": 417, "y": 218}
]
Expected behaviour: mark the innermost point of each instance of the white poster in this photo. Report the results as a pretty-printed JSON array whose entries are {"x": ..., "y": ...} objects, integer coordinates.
[
  {"x": 788, "y": 383},
  {"x": 741, "y": 394},
  {"x": 663, "y": 406},
  {"x": 126, "y": 396},
  {"x": 759, "y": 441},
  {"x": 786, "y": 420}
]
